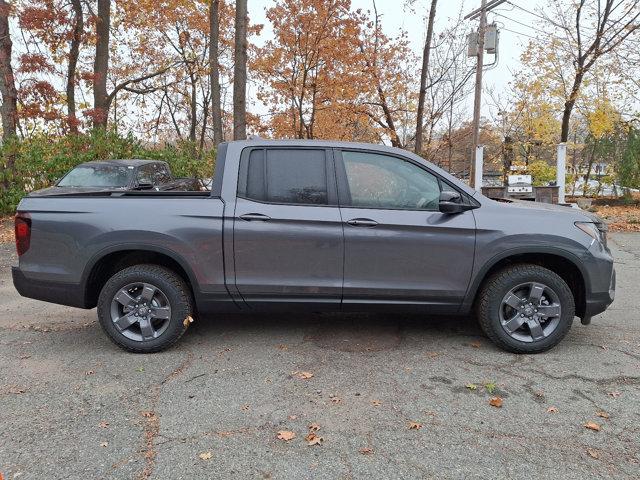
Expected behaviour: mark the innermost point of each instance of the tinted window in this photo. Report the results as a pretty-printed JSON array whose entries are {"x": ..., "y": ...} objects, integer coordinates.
[
  {"x": 287, "y": 176},
  {"x": 96, "y": 176},
  {"x": 162, "y": 174},
  {"x": 154, "y": 173},
  {"x": 145, "y": 174},
  {"x": 382, "y": 181}
]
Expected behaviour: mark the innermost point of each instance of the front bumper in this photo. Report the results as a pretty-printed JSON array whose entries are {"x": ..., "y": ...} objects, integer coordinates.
[
  {"x": 71, "y": 294},
  {"x": 598, "y": 302}
]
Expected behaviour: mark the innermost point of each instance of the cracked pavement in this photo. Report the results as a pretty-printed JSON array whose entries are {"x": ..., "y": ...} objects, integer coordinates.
[{"x": 75, "y": 406}]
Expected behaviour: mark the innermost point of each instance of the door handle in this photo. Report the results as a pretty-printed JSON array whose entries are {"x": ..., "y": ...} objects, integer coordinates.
[
  {"x": 362, "y": 222},
  {"x": 255, "y": 216}
]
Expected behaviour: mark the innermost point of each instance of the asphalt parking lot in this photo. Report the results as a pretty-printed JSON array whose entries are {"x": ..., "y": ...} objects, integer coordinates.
[{"x": 75, "y": 406}]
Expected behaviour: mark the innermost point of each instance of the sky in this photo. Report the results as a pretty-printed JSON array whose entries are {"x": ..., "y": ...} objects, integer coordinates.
[{"x": 516, "y": 26}]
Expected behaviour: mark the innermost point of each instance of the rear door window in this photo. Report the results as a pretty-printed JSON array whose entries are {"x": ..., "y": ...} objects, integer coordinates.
[{"x": 287, "y": 176}]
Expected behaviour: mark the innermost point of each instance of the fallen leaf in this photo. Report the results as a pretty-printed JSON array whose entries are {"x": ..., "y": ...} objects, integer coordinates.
[
  {"x": 89, "y": 372},
  {"x": 602, "y": 414},
  {"x": 336, "y": 400},
  {"x": 303, "y": 375},
  {"x": 313, "y": 439},
  {"x": 376, "y": 403},
  {"x": 104, "y": 424},
  {"x": 433, "y": 354},
  {"x": 286, "y": 435},
  {"x": 415, "y": 426},
  {"x": 593, "y": 453},
  {"x": 314, "y": 427},
  {"x": 592, "y": 426},
  {"x": 17, "y": 390},
  {"x": 104, "y": 444},
  {"x": 366, "y": 451},
  {"x": 187, "y": 321},
  {"x": 245, "y": 407},
  {"x": 282, "y": 347},
  {"x": 614, "y": 394},
  {"x": 471, "y": 386},
  {"x": 475, "y": 344},
  {"x": 225, "y": 434},
  {"x": 205, "y": 455},
  {"x": 496, "y": 402},
  {"x": 24, "y": 357},
  {"x": 292, "y": 417},
  {"x": 552, "y": 410},
  {"x": 148, "y": 414}
]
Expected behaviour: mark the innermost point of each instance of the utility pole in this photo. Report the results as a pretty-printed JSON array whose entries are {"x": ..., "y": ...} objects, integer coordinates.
[
  {"x": 477, "y": 102},
  {"x": 477, "y": 99}
]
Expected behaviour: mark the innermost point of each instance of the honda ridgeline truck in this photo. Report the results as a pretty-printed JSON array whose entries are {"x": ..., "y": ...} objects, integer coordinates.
[{"x": 317, "y": 226}]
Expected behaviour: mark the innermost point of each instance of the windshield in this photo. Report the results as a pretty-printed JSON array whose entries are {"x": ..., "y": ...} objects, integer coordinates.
[{"x": 96, "y": 176}]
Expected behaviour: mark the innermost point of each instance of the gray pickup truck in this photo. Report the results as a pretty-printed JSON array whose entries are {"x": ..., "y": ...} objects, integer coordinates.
[{"x": 319, "y": 226}]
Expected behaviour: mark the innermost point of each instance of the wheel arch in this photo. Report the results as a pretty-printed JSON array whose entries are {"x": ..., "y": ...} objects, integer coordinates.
[
  {"x": 563, "y": 263},
  {"x": 109, "y": 261}
]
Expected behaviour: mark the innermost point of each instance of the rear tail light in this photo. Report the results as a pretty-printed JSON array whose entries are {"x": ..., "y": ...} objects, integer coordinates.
[{"x": 23, "y": 232}]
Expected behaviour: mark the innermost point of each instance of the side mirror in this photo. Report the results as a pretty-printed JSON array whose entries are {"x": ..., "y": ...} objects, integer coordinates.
[
  {"x": 451, "y": 202},
  {"x": 144, "y": 186}
]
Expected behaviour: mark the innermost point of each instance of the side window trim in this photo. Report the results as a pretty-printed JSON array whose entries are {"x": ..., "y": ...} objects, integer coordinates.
[
  {"x": 243, "y": 173},
  {"x": 344, "y": 194}
]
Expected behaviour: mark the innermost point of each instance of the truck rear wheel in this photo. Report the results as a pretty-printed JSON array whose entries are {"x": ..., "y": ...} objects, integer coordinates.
[
  {"x": 525, "y": 308},
  {"x": 143, "y": 308}
]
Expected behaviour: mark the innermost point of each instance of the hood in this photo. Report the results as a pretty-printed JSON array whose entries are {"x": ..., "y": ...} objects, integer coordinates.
[
  {"x": 46, "y": 192},
  {"x": 577, "y": 212}
]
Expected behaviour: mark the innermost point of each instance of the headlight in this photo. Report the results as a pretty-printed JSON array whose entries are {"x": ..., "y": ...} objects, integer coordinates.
[{"x": 595, "y": 231}]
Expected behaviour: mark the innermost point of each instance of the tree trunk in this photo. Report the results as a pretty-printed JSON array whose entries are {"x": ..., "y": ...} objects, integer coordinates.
[
  {"x": 423, "y": 77},
  {"x": 214, "y": 41},
  {"x": 568, "y": 106},
  {"x": 7, "y": 80},
  {"x": 101, "y": 65},
  {"x": 240, "y": 73},
  {"x": 9, "y": 108},
  {"x": 74, "y": 51}
]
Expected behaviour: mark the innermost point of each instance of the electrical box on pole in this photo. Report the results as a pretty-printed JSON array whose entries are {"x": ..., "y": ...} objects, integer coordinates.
[
  {"x": 472, "y": 44},
  {"x": 491, "y": 36}
]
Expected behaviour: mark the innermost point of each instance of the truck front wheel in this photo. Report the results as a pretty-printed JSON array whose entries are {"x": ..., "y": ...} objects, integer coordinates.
[
  {"x": 145, "y": 308},
  {"x": 525, "y": 308}
]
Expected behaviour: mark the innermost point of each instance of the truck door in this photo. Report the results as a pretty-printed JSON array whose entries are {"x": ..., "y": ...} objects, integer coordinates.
[
  {"x": 399, "y": 249},
  {"x": 288, "y": 235}
]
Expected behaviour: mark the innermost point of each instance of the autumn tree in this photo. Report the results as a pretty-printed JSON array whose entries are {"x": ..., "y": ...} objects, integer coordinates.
[
  {"x": 385, "y": 82},
  {"x": 126, "y": 76},
  {"x": 590, "y": 31},
  {"x": 303, "y": 69},
  {"x": 53, "y": 33}
]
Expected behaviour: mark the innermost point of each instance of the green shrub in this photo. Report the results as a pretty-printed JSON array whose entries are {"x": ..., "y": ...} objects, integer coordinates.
[{"x": 41, "y": 160}]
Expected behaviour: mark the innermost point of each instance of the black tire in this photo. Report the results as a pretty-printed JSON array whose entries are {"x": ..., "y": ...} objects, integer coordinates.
[
  {"x": 174, "y": 291},
  {"x": 499, "y": 285}
]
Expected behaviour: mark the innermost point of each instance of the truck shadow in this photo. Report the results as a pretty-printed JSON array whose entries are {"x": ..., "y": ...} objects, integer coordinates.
[{"x": 347, "y": 332}]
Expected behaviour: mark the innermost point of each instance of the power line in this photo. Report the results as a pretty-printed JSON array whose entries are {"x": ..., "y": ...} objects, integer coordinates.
[
  {"x": 530, "y": 12},
  {"x": 517, "y": 33},
  {"x": 515, "y": 21}
]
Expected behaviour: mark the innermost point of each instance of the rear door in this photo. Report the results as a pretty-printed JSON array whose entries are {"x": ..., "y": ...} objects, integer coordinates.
[
  {"x": 288, "y": 235},
  {"x": 399, "y": 249}
]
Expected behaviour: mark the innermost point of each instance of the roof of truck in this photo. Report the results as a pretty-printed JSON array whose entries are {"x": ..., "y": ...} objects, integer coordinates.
[{"x": 128, "y": 162}]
